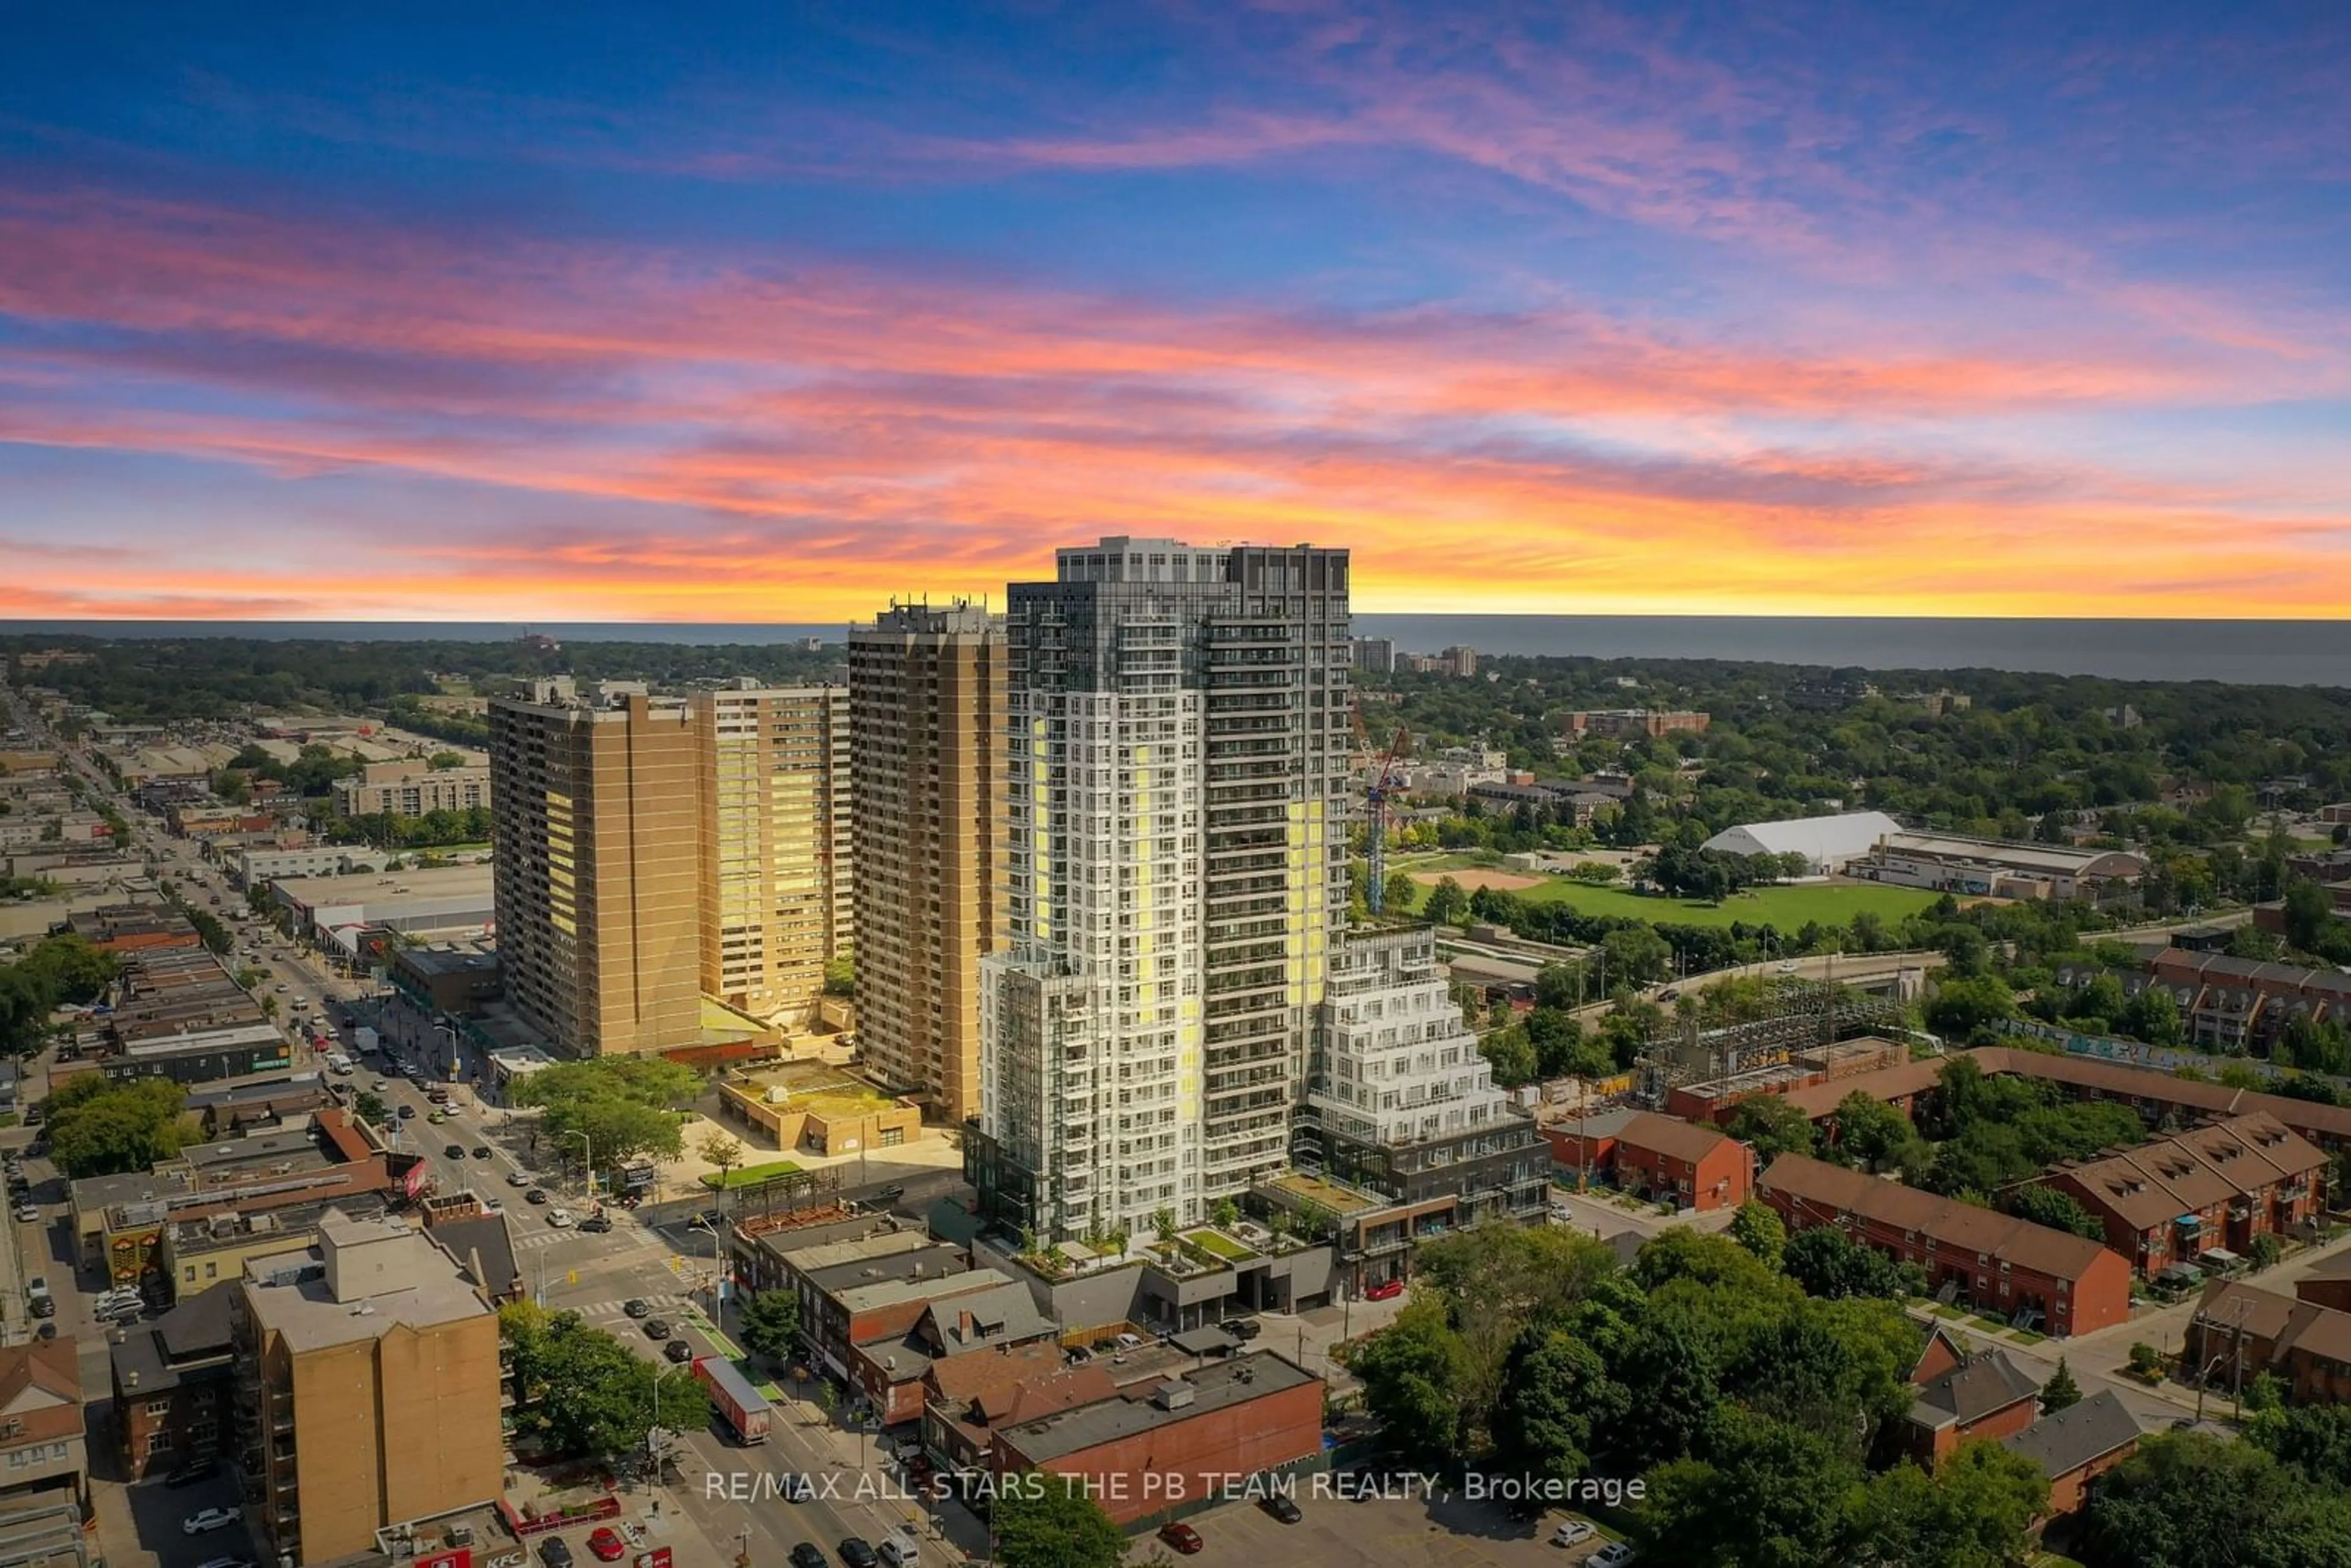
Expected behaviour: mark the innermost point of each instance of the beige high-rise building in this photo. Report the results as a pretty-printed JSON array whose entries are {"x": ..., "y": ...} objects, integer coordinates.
[
  {"x": 927, "y": 689},
  {"x": 598, "y": 808},
  {"x": 367, "y": 1388},
  {"x": 776, "y": 874}
]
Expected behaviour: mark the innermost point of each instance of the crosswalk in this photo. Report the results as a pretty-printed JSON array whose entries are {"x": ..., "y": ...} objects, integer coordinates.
[{"x": 663, "y": 1307}]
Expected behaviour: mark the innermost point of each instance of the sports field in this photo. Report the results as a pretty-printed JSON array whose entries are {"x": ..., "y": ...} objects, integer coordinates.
[{"x": 1788, "y": 908}]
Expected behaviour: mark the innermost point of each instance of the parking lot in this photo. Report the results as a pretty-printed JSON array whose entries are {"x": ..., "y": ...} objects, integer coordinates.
[{"x": 1387, "y": 1531}]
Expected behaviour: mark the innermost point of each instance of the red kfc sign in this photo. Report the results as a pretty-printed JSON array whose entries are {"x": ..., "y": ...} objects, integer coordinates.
[
  {"x": 657, "y": 1558},
  {"x": 463, "y": 1557}
]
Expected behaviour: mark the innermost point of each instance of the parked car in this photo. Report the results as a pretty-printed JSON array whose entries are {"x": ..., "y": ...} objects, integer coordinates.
[
  {"x": 855, "y": 1553},
  {"x": 1282, "y": 1507},
  {"x": 678, "y": 1351},
  {"x": 657, "y": 1327},
  {"x": 808, "y": 1554},
  {"x": 1570, "y": 1532},
  {"x": 554, "y": 1554},
  {"x": 28, "y": 1212},
  {"x": 638, "y": 1307},
  {"x": 226, "y": 1563},
  {"x": 1242, "y": 1328},
  {"x": 1615, "y": 1555},
  {"x": 1130, "y": 1342},
  {"x": 1182, "y": 1537},
  {"x": 207, "y": 1520},
  {"x": 606, "y": 1543},
  {"x": 900, "y": 1550},
  {"x": 1385, "y": 1291}
]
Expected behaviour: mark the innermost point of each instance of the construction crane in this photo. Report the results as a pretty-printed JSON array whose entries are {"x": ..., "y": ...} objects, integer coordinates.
[{"x": 1386, "y": 780}]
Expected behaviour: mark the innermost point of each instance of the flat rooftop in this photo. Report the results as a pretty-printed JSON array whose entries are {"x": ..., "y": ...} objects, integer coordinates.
[
  {"x": 440, "y": 882},
  {"x": 388, "y": 1274},
  {"x": 1215, "y": 1386}
]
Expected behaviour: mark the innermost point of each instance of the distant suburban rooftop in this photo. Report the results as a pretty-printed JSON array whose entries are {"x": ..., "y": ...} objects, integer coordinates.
[{"x": 1845, "y": 834}]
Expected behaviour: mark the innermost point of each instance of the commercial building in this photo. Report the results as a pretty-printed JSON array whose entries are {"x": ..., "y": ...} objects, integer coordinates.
[
  {"x": 598, "y": 862},
  {"x": 777, "y": 874},
  {"x": 172, "y": 1382},
  {"x": 927, "y": 705},
  {"x": 1176, "y": 766},
  {"x": 2012, "y": 1268},
  {"x": 234, "y": 1106},
  {"x": 1179, "y": 1444},
  {"x": 2239, "y": 1332},
  {"x": 441, "y": 898},
  {"x": 1632, "y": 723},
  {"x": 2210, "y": 1189},
  {"x": 368, "y": 1389},
  {"x": 256, "y": 865},
  {"x": 1998, "y": 868},
  {"x": 447, "y": 981},
  {"x": 966, "y": 1397},
  {"x": 120, "y": 1221},
  {"x": 1655, "y": 1157},
  {"x": 44, "y": 1454},
  {"x": 135, "y": 927},
  {"x": 210, "y": 1249},
  {"x": 1400, "y": 1101},
  {"x": 971, "y": 1320},
  {"x": 411, "y": 790},
  {"x": 1827, "y": 844}
]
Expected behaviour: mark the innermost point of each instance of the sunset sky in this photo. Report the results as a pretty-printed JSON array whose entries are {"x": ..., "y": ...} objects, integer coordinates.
[{"x": 701, "y": 312}]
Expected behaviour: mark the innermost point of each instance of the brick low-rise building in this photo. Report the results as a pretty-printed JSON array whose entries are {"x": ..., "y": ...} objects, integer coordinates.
[
  {"x": 2217, "y": 1186},
  {"x": 173, "y": 1383},
  {"x": 1965, "y": 1397},
  {"x": 2239, "y": 1332},
  {"x": 1175, "y": 1446},
  {"x": 1656, "y": 1157},
  {"x": 1995, "y": 1261},
  {"x": 2075, "y": 1446}
]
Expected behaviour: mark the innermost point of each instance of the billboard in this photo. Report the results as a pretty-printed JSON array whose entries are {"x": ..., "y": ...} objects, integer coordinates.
[{"x": 419, "y": 1177}]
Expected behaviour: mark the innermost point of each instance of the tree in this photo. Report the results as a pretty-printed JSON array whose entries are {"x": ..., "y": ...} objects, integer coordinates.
[
  {"x": 621, "y": 1104},
  {"x": 1773, "y": 1126},
  {"x": 110, "y": 1128},
  {"x": 841, "y": 976},
  {"x": 2186, "y": 1500},
  {"x": 2309, "y": 912},
  {"x": 1871, "y": 1131},
  {"x": 586, "y": 1392},
  {"x": 1827, "y": 1262},
  {"x": 2265, "y": 1251},
  {"x": 1412, "y": 1374},
  {"x": 441, "y": 761},
  {"x": 1975, "y": 1511},
  {"x": 1163, "y": 1225},
  {"x": 1054, "y": 1521},
  {"x": 770, "y": 1323},
  {"x": 1445, "y": 904},
  {"x": 1759, "y": 1230},
  {"x": 1401, "y": 893},
  {"x": 1557, "y": 1397},
  {"x": 368, "y": 1108},
  {"x": 1637, "y": 955},
  {"x": 722, "y": 1150},
  {"x": 1969, "y": 1010},
  {"x": 1766, "y": 1495},
  {"x": 2056, "y": 1209},
  {"x": 2060, "y": 1392}
]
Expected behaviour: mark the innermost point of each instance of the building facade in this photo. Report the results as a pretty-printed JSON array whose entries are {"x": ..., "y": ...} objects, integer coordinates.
[
  {"x": 2176, "y": 1198},
  {"x": 368, "y": 1389},
  {"x": 1399, "y": 1100},
  {"x": 1177, "y": 756},
  {"x": 777, "y": 876},
  {"x": 411, "y": 790},
  {"x": 926, "y": 705},
  {"x": 599, "y": 867},
  {"x": 2019, "y": 1271}
]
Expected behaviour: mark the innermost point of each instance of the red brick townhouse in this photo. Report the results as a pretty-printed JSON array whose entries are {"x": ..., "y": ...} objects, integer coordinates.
[
  {"x": 1961, "y": 1397},
  {"x": 1995, "y": 1262},
  {"x": 2239, "y": 1332},
  {"x": 1658, "y": 1156},
  {"x": 2173, "y": 1200},
  {"x": 2154, "y": 1095}
]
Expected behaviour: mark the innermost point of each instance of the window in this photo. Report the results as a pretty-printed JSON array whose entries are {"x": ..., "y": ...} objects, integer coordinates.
[
  {"x": 158, "y": 1408},
  {"x": 159, "y": 1442}
]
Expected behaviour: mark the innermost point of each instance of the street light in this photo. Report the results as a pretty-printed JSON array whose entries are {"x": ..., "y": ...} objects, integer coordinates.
[{"x": 701, "y": 1224}]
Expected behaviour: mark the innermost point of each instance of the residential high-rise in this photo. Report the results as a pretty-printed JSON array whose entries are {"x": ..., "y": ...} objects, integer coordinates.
[
  {"x": 1399, "y": 1098},
  {"x": 367, "y": 1388},
  {"x": 926, "y": 693},
  {"x": 775, "y": 832},
  {"x": 598, "y": 812},
  {"x": 1177, "y": 754}
]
